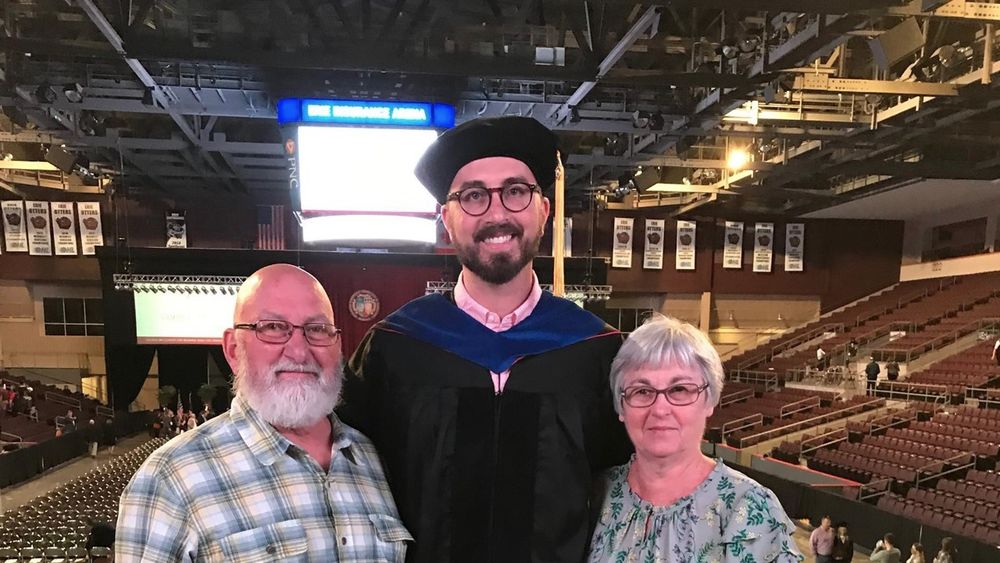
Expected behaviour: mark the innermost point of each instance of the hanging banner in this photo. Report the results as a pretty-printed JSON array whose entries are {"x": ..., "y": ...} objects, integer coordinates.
[
  {"x": 91, "y": 233},
  {"x": 795, "y": 238},
  {"x": 652, "y": 258},
  {"x": 762, "y": 245},
  {"x": 621, "y": 248},
  {"x": 39, "y": 231},
  {"x": 732, "y": 250},
  {"x": 568, "y": 237},
  {"x": 13, "y": 225},
  {"x": 176, "y": 230},
  {"x": 64, "y": 228},
  {"x": 685, "y": 244}
]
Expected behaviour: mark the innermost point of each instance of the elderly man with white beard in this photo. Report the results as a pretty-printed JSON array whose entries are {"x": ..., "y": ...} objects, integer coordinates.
[{"x": 278, "y": 477}]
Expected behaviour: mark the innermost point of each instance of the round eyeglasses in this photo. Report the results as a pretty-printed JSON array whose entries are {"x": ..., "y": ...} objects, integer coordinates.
[
  {"x": 680, "y": 395},
  {"x": 476, "y": 201},
  {"x": 280, "y": 332}
]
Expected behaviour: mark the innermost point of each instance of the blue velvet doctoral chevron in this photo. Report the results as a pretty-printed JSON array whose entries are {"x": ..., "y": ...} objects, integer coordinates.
[{"x": 554, "y": 323}]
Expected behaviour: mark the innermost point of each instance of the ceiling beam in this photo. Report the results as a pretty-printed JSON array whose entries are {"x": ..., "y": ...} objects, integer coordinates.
[{"x": 647, "y": 25}]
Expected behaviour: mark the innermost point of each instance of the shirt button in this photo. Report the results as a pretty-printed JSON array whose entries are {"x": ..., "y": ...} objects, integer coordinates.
[{"x": 271, "y": 549}]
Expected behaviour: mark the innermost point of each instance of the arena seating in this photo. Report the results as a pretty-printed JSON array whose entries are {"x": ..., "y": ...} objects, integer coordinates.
[
  {"x": 773, "y": 415},
  {"x": 968, "y": 368},
  {"x": 851, "y": 319},
  {"x": 52, "y": 403},
  {"x": 55, "y": 526},
  {"x": 954, "y": 512}
]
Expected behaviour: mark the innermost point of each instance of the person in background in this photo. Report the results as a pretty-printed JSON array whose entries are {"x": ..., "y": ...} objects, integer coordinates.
[
  {"x": 108, "y": 434},
  {"x": 996, "y": 351},
  {"x": 948, "y": 553},
  {"x": 820, "y": 358},
  {"x": 852, "y": 349},
  {"x": 892, "y": 370},
  {"x": 821, "y": 541},
  {"x": 916, "y": 554},
  {"x": 670, "y": 502},
  {"x": 843, "y": 545},
  {"x": 871, "y": 373},
  {"x": 886, "y": 551}
]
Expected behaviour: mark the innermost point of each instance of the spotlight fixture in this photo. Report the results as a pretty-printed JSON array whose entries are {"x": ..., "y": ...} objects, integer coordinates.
[
  {"x": 656, "y": 122},
  {"x": 640, "y": 119},
  {"x": 737, "y": 159},
  {"x": 73, "y": 92},
  {"x": 147, "y": 97},
  {"x": 45, "y": 93}
]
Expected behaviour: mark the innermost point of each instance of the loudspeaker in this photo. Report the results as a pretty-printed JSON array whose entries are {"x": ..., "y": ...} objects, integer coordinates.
[
  {"x": 897, "y": 43},
  {"x": 61, "y": 159}
]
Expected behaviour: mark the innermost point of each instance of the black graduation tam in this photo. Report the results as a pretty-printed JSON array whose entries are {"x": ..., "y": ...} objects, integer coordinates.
[{"x": 523, "y": 138}]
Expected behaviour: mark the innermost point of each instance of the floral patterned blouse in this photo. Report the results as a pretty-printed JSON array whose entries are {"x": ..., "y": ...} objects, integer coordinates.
[{"x": 728, "y": 518}]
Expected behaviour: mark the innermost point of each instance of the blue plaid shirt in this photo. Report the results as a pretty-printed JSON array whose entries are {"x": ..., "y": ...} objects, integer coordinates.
[{"x": 234, "y": 489}]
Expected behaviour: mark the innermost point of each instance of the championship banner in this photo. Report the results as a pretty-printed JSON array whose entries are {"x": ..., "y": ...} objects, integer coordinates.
[
  {"x": 64, "y": 228},
  {"x": 91, "y": 234},
  {"x": 176, "y": 230},
  {"x": 568, "y": 237},
  {"x": 732, "y": 250},
  {"x": 652, "y": 258},
  {"x": 795, "y": 237},
  {"x": 763, "y": 243},
  {"x": 39, "y": 232},
  {"x": 685, "y": 244},
  {"x": 13, "y": 225},
  {"x": 621, "y": 248}
]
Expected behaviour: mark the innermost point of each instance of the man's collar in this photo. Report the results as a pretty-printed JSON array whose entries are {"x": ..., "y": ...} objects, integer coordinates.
[{"x": 267, "y": 444}]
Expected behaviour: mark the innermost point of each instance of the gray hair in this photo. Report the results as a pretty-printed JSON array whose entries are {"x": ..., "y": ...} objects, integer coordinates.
[{"x": 662, "y": 341}]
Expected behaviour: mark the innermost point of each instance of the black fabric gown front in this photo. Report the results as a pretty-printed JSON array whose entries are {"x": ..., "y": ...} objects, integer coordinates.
[{"x": 480, "y": 476}]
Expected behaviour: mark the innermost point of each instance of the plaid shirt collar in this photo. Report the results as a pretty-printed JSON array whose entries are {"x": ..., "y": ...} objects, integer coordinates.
[{"x": 268, "y": 445}]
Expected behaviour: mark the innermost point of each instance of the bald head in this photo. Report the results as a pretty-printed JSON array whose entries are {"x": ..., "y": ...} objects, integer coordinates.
[{"x": 271, "y": 287}]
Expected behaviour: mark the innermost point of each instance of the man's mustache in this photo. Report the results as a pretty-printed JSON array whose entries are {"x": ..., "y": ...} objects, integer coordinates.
[{"x": 498, "y": 230}]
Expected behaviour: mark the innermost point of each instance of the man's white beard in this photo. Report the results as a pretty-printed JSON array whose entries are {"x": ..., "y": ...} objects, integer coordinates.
[{"x": 288, "y": 404}]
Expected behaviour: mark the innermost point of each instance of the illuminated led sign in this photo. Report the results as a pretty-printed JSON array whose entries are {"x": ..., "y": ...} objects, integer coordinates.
[{"x": 355, "y": 112}]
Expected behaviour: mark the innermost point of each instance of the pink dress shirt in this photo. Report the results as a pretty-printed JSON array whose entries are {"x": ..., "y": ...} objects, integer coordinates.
[{"x": 495, "y": 322}]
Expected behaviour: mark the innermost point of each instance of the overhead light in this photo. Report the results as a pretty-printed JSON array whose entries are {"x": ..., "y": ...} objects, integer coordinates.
[
  {"x": 45, "y": 93},
  {"x": 737, "y": 159},
  {"x": 73, "y": 92}
]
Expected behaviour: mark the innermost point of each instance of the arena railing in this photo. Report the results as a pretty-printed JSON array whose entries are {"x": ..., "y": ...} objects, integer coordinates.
[
  {"x": 880, "y": 423},
  {"x": 63, "y": 400},
  {"x": 823, "y": 440},
  {"x": 953, "y": 461},
  {"x": 798, "y": 406},
  {"x": 806, "y": 337},
  {"x": 742, "y": 423},
  {"x": 736, "y": 397},
  {"x": 875, "y": 489},
  {"x": 104, "y": 411},
  {"x": 803, "y": 424},
  {"x": 904, "y": 391},
  {"x": 8, "y": 437},
  {"x": 767, "y": 379}
]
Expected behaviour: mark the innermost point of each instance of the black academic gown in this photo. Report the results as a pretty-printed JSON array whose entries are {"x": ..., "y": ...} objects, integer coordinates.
[{"x": 479, "y": 476}]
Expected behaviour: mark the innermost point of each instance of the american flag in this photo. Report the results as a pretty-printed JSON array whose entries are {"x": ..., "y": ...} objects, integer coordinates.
[{"x": 270, "y": 227}]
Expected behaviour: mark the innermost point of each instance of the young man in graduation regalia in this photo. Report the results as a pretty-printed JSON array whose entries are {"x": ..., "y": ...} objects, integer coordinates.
[{"x": 491, "y": 406}]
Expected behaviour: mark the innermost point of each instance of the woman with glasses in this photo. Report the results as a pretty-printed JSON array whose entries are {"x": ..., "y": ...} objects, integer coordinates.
[{"x": 670, "y": 502}]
